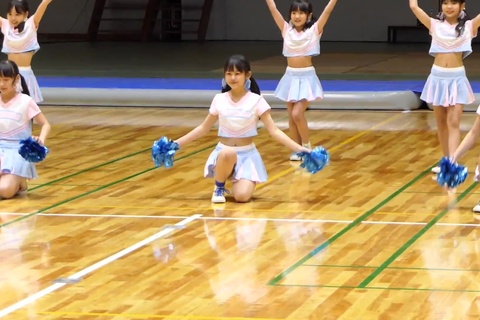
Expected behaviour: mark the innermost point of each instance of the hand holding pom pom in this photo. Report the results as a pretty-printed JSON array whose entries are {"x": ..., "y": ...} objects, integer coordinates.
[
  {"x": 32, "y": 151},
  {"x": 451, "y": 174},
  {"x": 315, "y": 160},
  {"x": 163, "y": 151}
]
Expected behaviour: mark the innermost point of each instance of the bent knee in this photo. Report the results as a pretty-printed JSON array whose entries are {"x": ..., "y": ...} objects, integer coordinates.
[
  {"x": 8, "y": 192},
  {"x": 242, "y": 197}
]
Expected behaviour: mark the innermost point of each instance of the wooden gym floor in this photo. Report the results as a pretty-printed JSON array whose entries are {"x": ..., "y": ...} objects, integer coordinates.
[{"x": 102, "y": 234}]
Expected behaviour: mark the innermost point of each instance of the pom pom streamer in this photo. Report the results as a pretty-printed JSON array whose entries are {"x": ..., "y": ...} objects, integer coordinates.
[
  {"x": 451, "y": 174},
  {"x": 32, "y": 151},
  {"x": 316, "y": 160},
  {"x": 163, "y": 151}
]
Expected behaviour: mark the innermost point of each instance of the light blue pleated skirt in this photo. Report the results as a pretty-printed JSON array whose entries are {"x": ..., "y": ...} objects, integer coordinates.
[
  {"x": 447, "y": 87},
  {"x": 32, "y": 83},
  {"x": 299, "y": 84},
  {"x": 249, "y": 164},
  {"x": 11, "y": 162}
]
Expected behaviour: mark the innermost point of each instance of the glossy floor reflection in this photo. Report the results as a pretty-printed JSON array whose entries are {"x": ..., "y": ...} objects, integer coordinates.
[{"x": 104, "y": 235}]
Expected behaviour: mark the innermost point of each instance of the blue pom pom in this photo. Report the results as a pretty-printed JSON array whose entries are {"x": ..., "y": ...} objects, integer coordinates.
[
  {"x": 32, "y": 151},
  {"x": 451, "y": 174},
  {"x": 163, "y": 151},
  {"x": 316, "y": 160}
]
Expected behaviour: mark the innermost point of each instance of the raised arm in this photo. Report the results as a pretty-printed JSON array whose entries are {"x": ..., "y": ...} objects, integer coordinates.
[
  {"x": 42, "y": 7},
  {"x": 421, "y": 15},
  {"x": 277, "y": 16},
  {"x": 322, "y": 21},
  {"x": 199, "y": 131},
  {"x": 279, "y": 135},
  {"x": 476, "y": 24}
]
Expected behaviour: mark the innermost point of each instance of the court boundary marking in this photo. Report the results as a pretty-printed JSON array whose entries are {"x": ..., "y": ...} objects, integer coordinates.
[
  {"x": 349, "y": 227},
  {"x": 78, "y": 275},
  {"x": 292, "y": 220},
  {"x": 282, "y": 173},
  {"x": 336, "y": 147},
  {"x": 412, "y": 240},
  {"x": 390, "y": 268},
  {"x": 105, "y": 186},
  {"x": 147, "y": 316},
  {"x": 378, "y": 288}
]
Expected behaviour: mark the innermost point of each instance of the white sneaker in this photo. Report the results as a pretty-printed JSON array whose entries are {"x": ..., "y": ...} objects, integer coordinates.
[
  {"x": 476, "y": 209},
  {"x": 295, "y": 157},
  {"x": 436, "y": 169},
  {"x": 218, "y": 195}
]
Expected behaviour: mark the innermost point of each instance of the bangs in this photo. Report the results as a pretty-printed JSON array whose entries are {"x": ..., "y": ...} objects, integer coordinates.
[
  {"x": 237, "y": 62},
  {"x": 19, "y": 6},
  {"x": 299, "y": 6},
  {"x": 7, "y": 70}
]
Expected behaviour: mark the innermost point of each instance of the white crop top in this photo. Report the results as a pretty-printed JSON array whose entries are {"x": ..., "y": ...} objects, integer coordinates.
[
  {"x": 238, "y": 119},
  {"x": 300, "y": 44},
  {"x": 19, "y": 42},
  {"x": 445, "y": 39}
]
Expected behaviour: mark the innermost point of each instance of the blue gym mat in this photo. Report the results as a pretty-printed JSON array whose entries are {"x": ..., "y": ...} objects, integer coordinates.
[{"x": 214, "y": 84}]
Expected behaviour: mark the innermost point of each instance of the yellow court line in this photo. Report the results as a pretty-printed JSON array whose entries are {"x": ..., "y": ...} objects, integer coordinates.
[
  {"x": 146, "y": 316},
  {"x": 334, "y": 148}
]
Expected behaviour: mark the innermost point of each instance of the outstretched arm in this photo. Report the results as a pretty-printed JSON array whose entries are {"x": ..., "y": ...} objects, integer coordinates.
[
  {"x": 42, "y": 7},
  {"x": 421, "y": 15},
  {"x": 42, "y": 121},
  {"x": 469, "y": 140},
  {"x": 277, "y": 16},
  {"x": 279, "y": 135},
  {"x": 325, "y": 15},
  {"x": 199, "y": 131},
  {"x": 476, "y": 24}
]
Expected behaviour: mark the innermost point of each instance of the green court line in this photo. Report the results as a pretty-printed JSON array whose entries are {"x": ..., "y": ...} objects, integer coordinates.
[
  {"x": 97, "y": 189},
  {"x": 378, "y": 288},
  {"x": 354, "y": 223},
  {"x": 390, "y": 268},
  {"x": 88, "y": 169},
  {"x": 414, "y": 238}
]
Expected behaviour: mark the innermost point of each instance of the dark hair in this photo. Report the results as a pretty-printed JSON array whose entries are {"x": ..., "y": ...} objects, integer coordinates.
[
  {"x": 240, "y": 63},
  {"x": 303, "y": 6},
  {"x": 20, "y": 6},
  {"x": 461, "y": 21},
  {"x": 9, "y": 69}
]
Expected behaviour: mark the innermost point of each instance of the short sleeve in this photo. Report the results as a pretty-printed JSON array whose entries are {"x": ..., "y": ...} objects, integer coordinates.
[
  {"x": 286, "y": 26},
  {"x": 469, "y": 25},
  {"x": 262, "y": 106},
  {"x": 433, "y": 26},
  {"x": 31, "y": 21},
  {"x": 315, "y": 28},
  {"x": 214, "y": 106},
  {"x": 32, "y": 109}
]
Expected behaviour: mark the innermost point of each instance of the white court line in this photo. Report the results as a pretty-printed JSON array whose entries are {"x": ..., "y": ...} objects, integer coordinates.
[
  {"x": 86, "y": 215},
  {"x": 98, "y": 265},
  {"x": 181, "y": 217}
]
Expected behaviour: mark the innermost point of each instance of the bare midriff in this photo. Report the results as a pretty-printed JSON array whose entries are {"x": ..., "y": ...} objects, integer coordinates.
[
  {"x": 236, "y": 142},
  {"x": 449, "y": 60},
  {"x": 23, "y": 59},
  {"x": 299, "y": 62}
]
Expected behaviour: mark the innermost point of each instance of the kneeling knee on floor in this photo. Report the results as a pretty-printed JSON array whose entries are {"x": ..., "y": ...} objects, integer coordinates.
[
  {"x": 7, "y": 192},
  {"x": 242, "y": 197}
]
